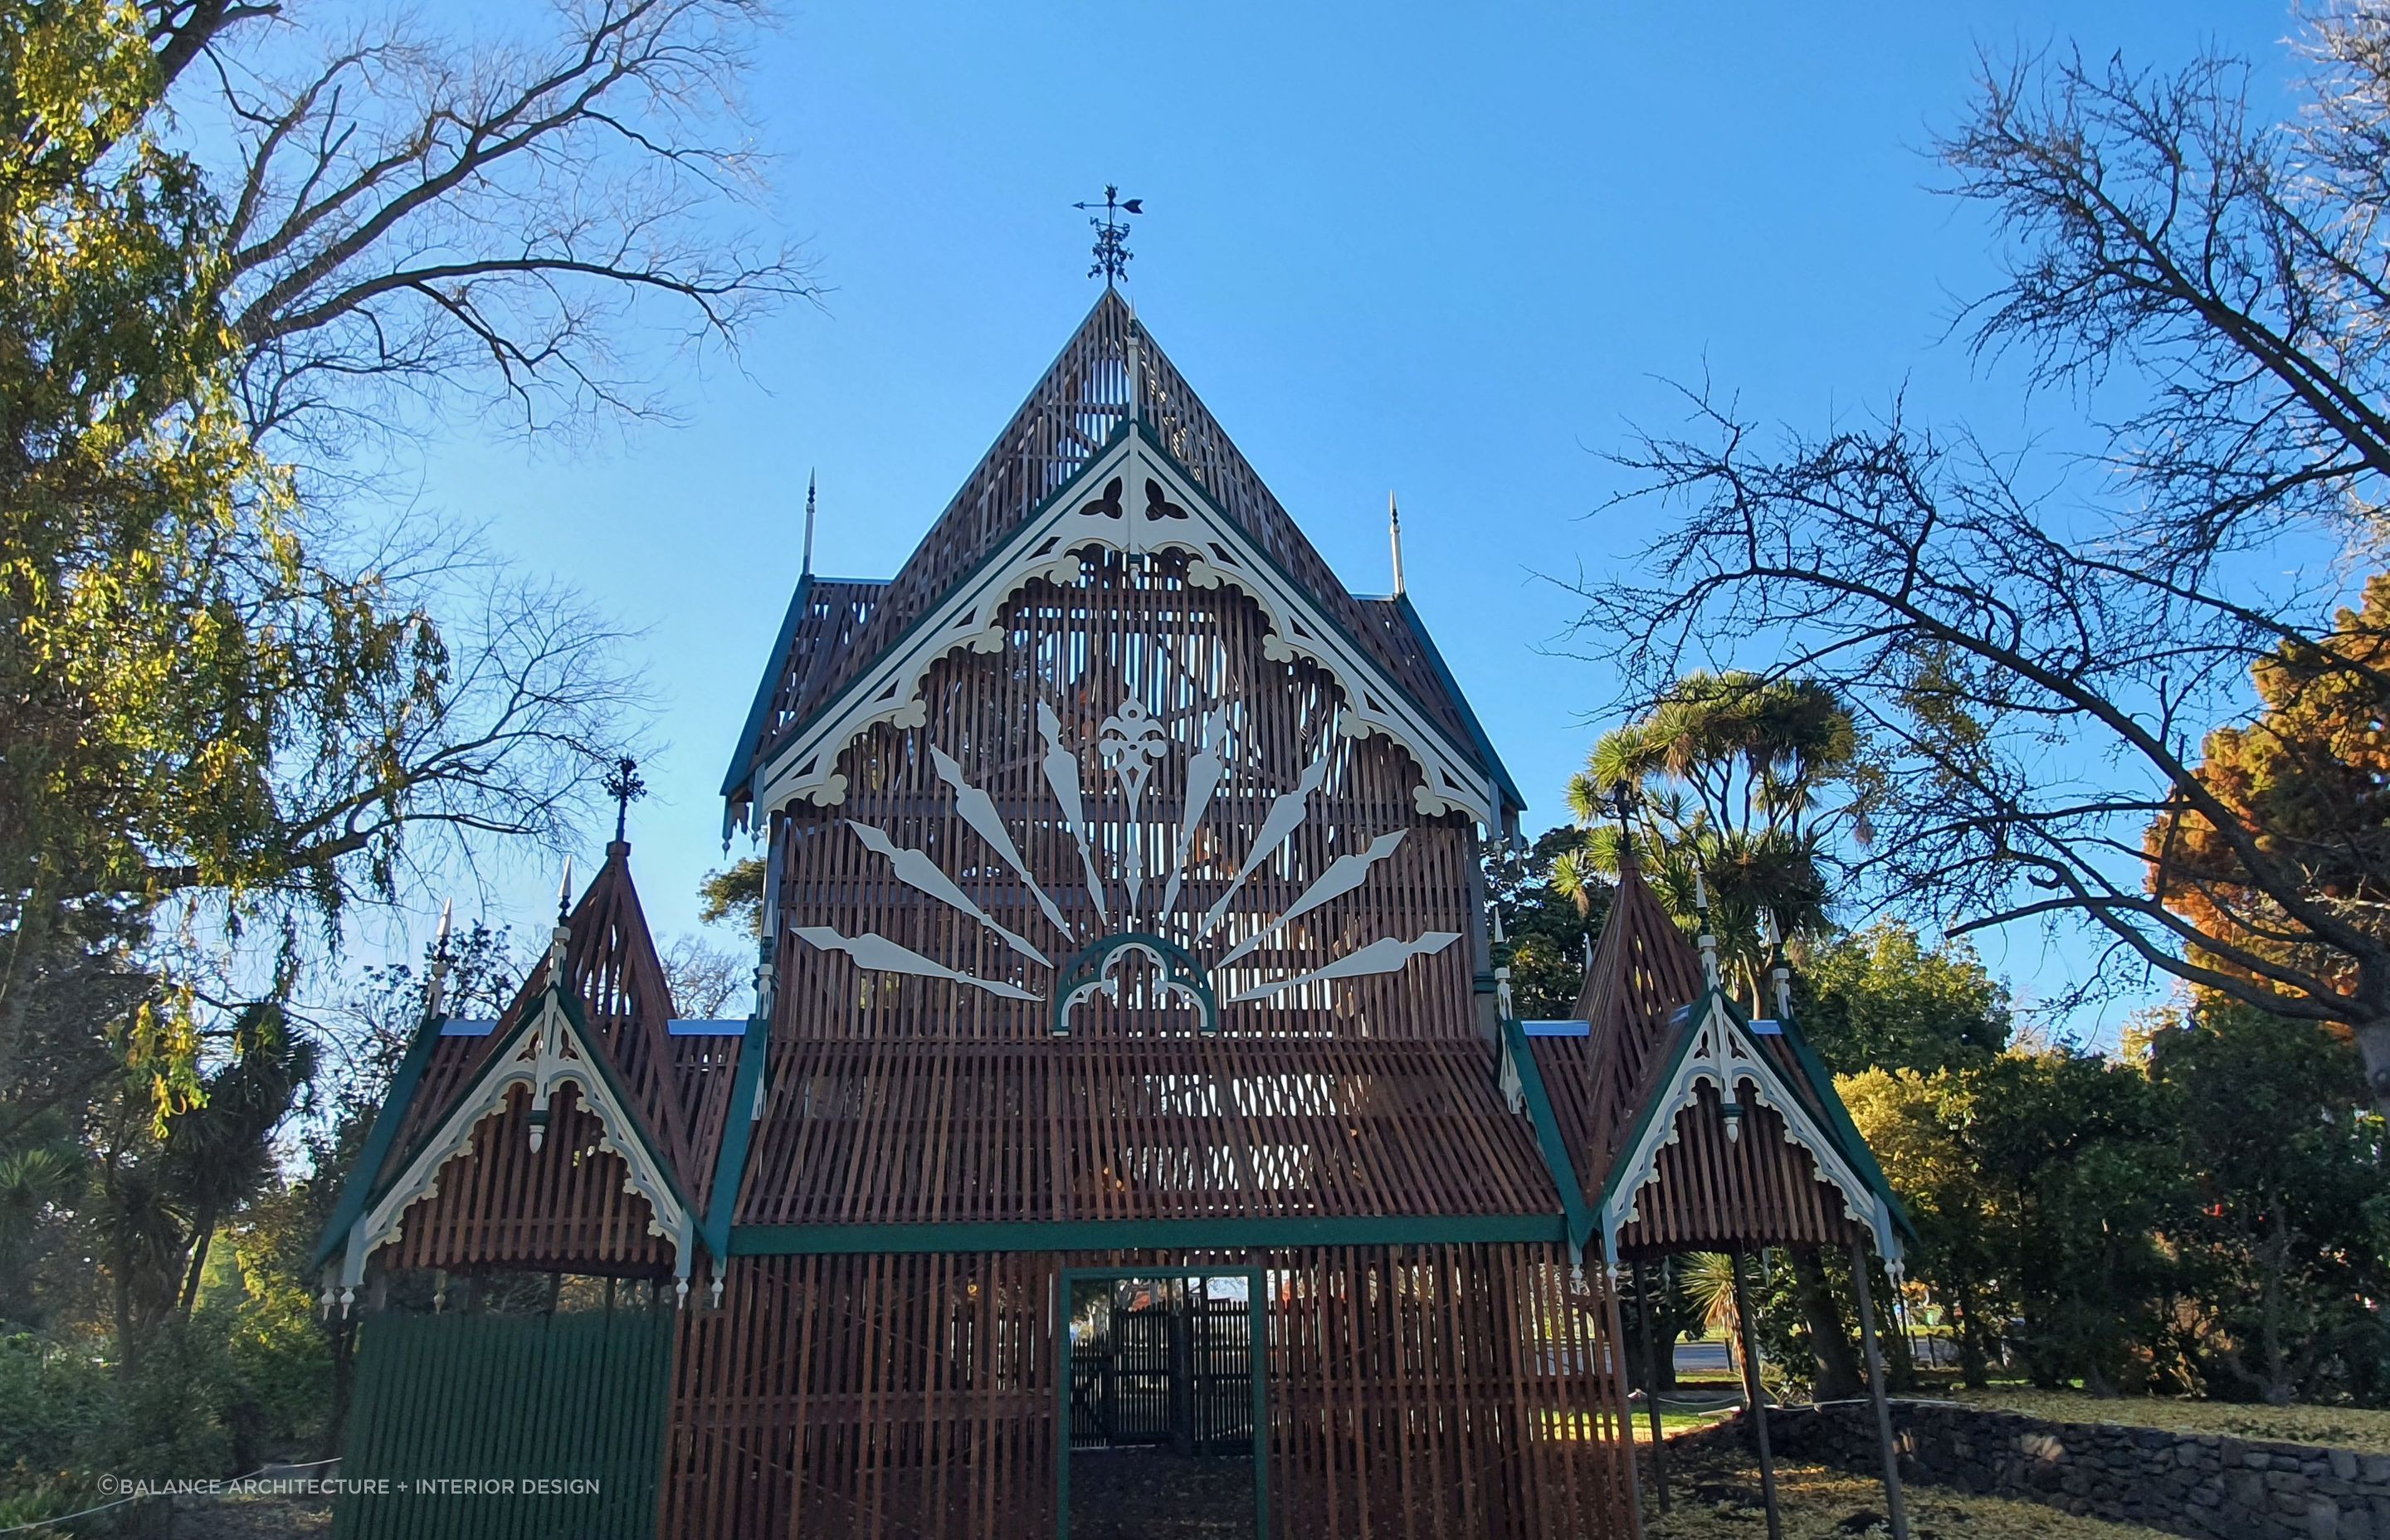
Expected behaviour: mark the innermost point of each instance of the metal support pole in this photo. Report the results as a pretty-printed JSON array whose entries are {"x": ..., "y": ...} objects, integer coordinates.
[
  {"x": 1754, "y": 1397},
  {"x": 1895, "y": 1504},
  {"x": 1652, "y": 1382}
]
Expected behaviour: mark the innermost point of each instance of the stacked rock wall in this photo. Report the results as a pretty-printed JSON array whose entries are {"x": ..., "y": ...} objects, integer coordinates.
[{"x": 2193, "y": 1485}]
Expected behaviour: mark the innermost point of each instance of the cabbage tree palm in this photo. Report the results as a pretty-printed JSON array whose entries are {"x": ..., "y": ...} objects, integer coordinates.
[
  {"x": 1746, "y": 780},
  {"x": 1737, "y": 785}
]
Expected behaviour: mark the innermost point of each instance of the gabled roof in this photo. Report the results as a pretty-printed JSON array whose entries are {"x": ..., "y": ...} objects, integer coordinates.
[
  {"x": 1642, "y": 971},
  {"x": 675, "y": 1091},
  {"x": 823, "y": 619},
  {"x": 1108, "y": 374},
  {"x": 1621, "y": 1092}
]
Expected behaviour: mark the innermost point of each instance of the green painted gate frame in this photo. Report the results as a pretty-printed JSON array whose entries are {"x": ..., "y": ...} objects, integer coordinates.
[{"x": 1256, "y": 1352}]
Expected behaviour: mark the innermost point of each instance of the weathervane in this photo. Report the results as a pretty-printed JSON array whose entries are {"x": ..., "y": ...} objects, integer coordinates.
[
  {"x": 623, "y": 783},
  {"x": 1111, "y": 234}
]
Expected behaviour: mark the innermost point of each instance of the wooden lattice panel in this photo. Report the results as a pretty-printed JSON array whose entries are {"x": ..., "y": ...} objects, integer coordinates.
[
  {"x": 1425, "y": 1392},
  {"x": 505, "y": 1205},
  {"x": 1711, "y": 1192},
  {"x": 1073, "y": 411},
  {"x": 1115, "y": 1127},
  {"x": 678, "y": 1089},
  {"x": 1193, "y": 661}
]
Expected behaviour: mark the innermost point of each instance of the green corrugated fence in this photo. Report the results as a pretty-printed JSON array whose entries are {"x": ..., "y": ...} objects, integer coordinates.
[{"x": 506, "y": 1427}]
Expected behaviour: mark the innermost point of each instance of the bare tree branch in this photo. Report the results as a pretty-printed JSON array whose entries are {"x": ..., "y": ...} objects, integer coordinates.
[{"x": 463, "y": 224}]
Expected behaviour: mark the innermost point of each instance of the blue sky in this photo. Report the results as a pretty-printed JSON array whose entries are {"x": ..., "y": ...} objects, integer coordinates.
[{"x": 1452, "y": 252}]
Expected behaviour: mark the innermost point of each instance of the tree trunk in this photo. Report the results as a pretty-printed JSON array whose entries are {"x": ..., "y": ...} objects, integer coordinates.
[
  {"x": 1653, "y": 1365},
  {"x": 1973, "y": 1361},
  {"x": 206, "y": 1234},
  {"x": 1829, "y": 1342}
]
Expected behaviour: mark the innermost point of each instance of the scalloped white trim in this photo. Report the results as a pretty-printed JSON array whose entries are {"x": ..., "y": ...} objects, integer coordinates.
[
  {"x": 1724, "y": 1056},
  {"x": 550, "y": 1057},
  {"x": 1220, "y": 555}
]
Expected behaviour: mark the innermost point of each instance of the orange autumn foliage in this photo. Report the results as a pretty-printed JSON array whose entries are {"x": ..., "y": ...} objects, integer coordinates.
[{"x": 2309, "y": 777}]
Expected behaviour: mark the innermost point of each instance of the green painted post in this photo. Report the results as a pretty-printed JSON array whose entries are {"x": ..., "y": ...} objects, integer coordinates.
[
  {"x": 1062, "y": 1405},
  {"x": 1257, "y": 1350}
]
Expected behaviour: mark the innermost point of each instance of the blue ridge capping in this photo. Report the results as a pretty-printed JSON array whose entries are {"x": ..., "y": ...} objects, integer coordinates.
[
  {"x": 459, "y": 1027},
  {"x": 1557, "y": 1029},
  {"x": 717, "y": 1027}
]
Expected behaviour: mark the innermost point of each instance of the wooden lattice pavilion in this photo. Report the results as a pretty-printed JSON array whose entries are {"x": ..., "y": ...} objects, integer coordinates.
[{"x": 1125, "y": 971}]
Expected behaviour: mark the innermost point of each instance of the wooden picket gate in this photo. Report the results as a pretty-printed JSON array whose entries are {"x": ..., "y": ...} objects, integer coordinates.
[{"x": 506, "y": 1427}]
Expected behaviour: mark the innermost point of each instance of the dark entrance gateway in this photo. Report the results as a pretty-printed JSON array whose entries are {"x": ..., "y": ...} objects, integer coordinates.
[{"x": 1165, "y": 1389}]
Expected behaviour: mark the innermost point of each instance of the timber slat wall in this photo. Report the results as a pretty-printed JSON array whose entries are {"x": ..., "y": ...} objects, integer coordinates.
[
  {"x": 1714, "y": 1193},
  {"x": 1067, "y": 420},
  {"x": 508, "y": 1205},
  {"x": 1116, "y": 1128},
  {"x": 1182, "y": 651},
  {"x": 1426, "y": 1393},
  {"x": 898, "y": 1098}
]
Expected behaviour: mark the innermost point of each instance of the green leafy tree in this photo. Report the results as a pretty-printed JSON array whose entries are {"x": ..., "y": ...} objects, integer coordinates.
[
  {"x": 2287, "y": 1238},
  {"x": 1744, "y": 780},
  {"x": 734, "y": 896},
  {"x": 1880, "y": 997},
  {"x": 2040, "y": 1184},
  {"x": 1549, "y": 914}
]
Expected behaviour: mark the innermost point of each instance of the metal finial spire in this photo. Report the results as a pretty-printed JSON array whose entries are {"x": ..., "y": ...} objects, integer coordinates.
[
  {"x": 1709, "y": 938},
  {"x": 623, "y": 783},
  {"x": 564, "y": 894},
  {"x": 1111, "y": 234},
  {"x": 1621, "y": 806},
  {"x": 1394, "y": 533},
  {"x": 813, "y": 479},
  {"x": 1779, "y": 969},
  {"x": 436, "y": 993}
]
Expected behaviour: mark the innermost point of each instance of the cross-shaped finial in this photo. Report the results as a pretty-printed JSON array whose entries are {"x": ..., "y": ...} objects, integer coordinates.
[
  {"x": 623, "y": 783},
  {"x": 1111, "y": 234}
]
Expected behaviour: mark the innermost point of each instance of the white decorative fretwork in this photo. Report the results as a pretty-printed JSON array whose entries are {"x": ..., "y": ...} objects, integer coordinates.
[
  {"x": 1722, "y": 1055},
  {"x": 1043, "y": 549},
  {"x": 549, "y": 1056}
]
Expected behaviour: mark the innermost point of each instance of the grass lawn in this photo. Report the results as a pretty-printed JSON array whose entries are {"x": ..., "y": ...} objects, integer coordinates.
[
  {"x": 1715, "y": 1498},
  {"x": 2342, "y": 1427},
  {"x": 1673, "y": 1423}
]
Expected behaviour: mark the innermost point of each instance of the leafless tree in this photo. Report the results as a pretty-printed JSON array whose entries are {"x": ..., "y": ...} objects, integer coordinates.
[
  {"x": 487, "y": 222},
  {"x": 703, "y": 975},
  {"x": 535, "y": 218},
  {"x": 2039, "y": 667}
]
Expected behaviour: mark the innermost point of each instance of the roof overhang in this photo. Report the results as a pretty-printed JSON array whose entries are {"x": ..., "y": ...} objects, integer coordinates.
[
  {"x": 1718, "y": 1048},
  {"x": 1091, "y": 511},
  {"x": 549, "y": 1050}
]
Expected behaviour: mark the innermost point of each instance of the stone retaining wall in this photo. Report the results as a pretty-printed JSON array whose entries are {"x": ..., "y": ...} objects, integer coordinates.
[{"x": 2194, "y": 1484}]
